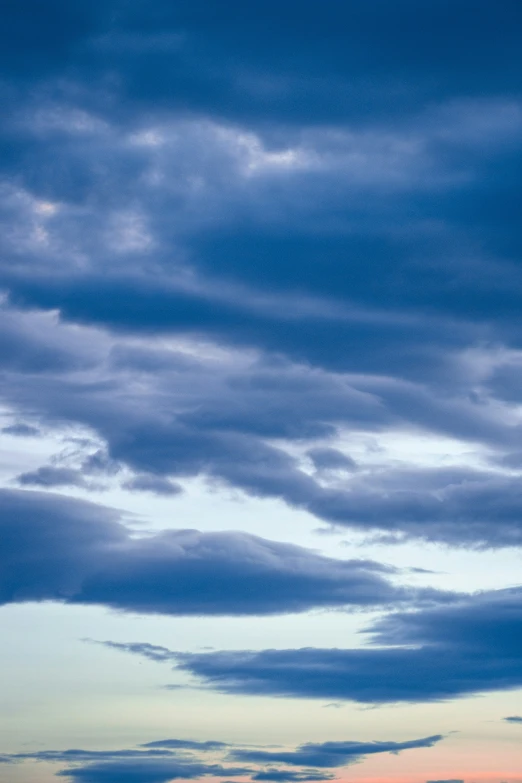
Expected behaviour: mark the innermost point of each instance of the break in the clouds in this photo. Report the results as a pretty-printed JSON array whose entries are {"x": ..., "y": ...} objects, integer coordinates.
[
  {"x": 439, "y": 653},
  {"x": 58, "y": 548}
]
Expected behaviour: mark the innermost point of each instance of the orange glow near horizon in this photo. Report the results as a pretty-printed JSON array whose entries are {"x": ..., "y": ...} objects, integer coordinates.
[{"x": 467, "y": 777}]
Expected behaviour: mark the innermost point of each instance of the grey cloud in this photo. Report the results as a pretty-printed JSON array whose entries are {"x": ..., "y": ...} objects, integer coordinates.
[
  {"x": 178, "y": 744},
  {"x": 286, "y": 776},
  {"x": 100, "y": 464},
  {"x": 472, "y": 646},
  {"x": 148, "y": 765},
  {"x": 472, "y": 508},
  {"x": 22, "y": 430},
  {"x": 146, "y": 771},
  {"x": 332, "y": 754},
  {"x": 153, "y": 652},
  {"x": 62, "y": 549},
  {"x": 331, "y": 459},
  {"x": 158, "y": 762},
  {"x": 50, "y": 476},
  {"x": 151, "y": 483},
  {"x": 360, "y": 257},
  {"x": 221, "y": 415}
]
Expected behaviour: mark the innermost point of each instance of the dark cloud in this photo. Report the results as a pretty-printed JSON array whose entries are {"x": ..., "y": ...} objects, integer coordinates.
[
  {"x": 57, "y": 548},
  {"x": 49, "y": 32},
  {"x": 332, "y": 754},
  {"x": 461, "y": 507},
  {"x": 50, "y": 476},
  {"x": 233, "y": 237},
  {"x": 155, "y": 484},
  {"x": 21, "y": 430},
  {"x": 100, "y": 464},
  {"x": 146, "y": 771},
  {"x": 286, "y": 776},
  {"x": 389, "y": 182},
  {"x": 513, "y": 719},
  {"x": 225, "y": 419},
  {"x": 444, "y": 652},
  {"x": 319, "y": 205},
  {"x": 157, "y": 762},
  {"x": 143, "y": 765},
  {"x": 238, "y": 63},
  {"x": 364, "y": 344},
  {"x": 331, "y": 459}
]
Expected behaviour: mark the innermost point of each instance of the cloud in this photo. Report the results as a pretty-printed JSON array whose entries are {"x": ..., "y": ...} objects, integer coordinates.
[
  {"x": 233, "y": 247},
  {"x": 332, "y": 754},
  {"x": 149, "y": 771},
  {"x": 155, "y": 484},
  {"x": 286, "y": 776},
  {"x": 434, "y": 654},
  {"x": 22, "y": 430},
  {"x": 61, "y": 549},
  {"x": 147, "y": 764},
  {"x": 240, "y": 66},
  {"x": 165, "y": 760},
  {"x": 75, "y": 755},
  {"x": 208, "y": 274},
  {"x": 49, "y": 476},
  {"x": 331, "y": 459},
  {"x": 178, "y": 744},
  {"x": 153, "y": 652},
  {"x": 231, "y": 417},
  {"x": 472, "y": 508},
  {"x": 513, "y": 719}
]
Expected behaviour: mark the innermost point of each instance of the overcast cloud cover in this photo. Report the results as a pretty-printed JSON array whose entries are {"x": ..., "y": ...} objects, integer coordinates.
[{"x": 261, "y": 356}]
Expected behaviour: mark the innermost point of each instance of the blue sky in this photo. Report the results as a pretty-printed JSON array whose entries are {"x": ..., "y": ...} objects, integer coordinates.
[{"x": 261, "y": 391}]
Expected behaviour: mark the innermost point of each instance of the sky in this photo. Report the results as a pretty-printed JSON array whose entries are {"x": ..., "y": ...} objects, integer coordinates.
[{"x": 260, "y": 391}]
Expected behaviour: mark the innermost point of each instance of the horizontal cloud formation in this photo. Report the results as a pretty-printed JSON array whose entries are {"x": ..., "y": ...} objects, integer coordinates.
[
  {"x": 173, "y": 413},
  {"x": 57, "y": 548},
  {"x": 274, "y": 246},
  {"x": 514, "y": 719},
  {"x": 127, "y": 766},
  {"x": 132, "y": 765},
  {"x": 159, "y": 761},
  {"x": 473, "y": 646},
  {"x": 228, "y": 234},
  {"x": 145, "y": 771},
  {"x": 332, "y": 754},
  {"x": 286, "y": 776}
]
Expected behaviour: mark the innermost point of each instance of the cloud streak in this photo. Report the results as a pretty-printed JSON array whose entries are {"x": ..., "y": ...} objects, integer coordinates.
[
  {"x": 332, "y": 754},
  {"x": 57, "y": 548},
  {"x": 166, "y": 760},
  {"x": 434, "y": 654}
]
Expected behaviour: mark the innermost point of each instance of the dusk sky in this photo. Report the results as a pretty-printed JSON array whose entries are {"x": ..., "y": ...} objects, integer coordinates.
[{"x": 261, "y": 391}]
